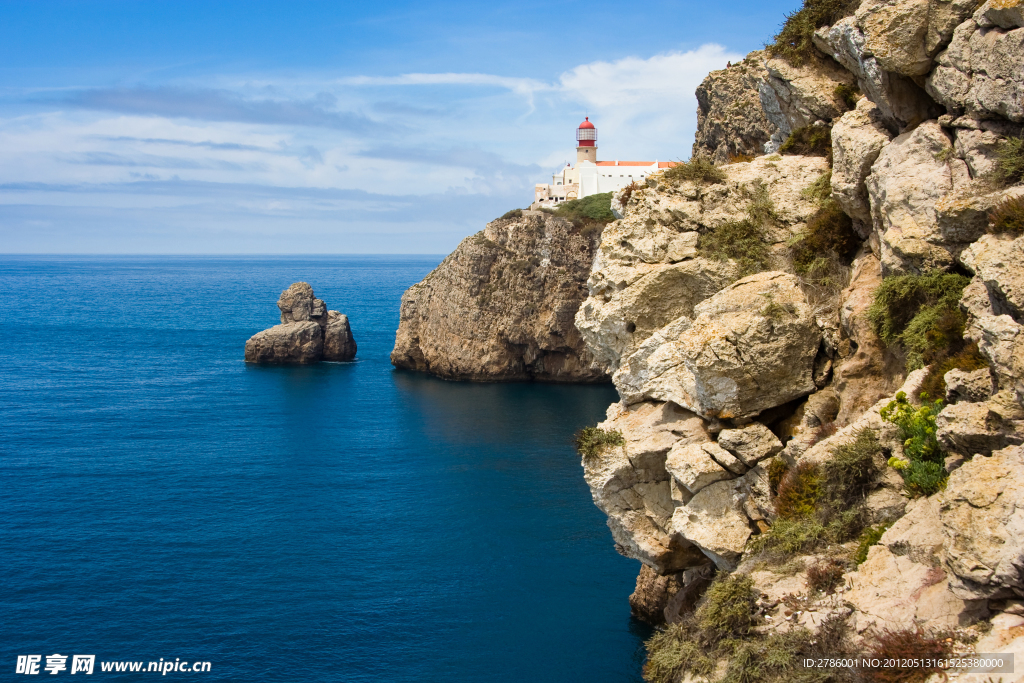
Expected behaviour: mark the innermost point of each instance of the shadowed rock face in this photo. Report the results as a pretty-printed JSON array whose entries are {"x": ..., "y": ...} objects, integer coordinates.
[
  {"x": 308, "y": 332},
  {"x": 501, "y": 306}
]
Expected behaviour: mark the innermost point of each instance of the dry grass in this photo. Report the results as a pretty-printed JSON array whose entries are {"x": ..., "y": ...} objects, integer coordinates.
[
  {"x": 1008, "y": 217},
  {"x": 698, "y": 170}
]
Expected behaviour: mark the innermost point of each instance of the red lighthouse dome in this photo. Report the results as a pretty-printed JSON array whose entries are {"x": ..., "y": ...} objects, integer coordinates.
[{"x": 586, "y": 134}]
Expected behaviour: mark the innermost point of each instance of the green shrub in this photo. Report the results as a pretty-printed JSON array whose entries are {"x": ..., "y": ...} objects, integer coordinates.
[
  {"x": 820, "y": 504},
  {"x": 590, "y": 440},
  {"x": 922, "y": 471},
  {"x": 744, "y": 241},
  {"x": 925, "y": 478},
  {"x": 596, "y": 207},
  {"x": 809, "y": 141},
  {"x": 695, "y": 644},
  {"x": 728, "y": 608},
  {"x": 869, "y": 537},
  {"x": 723, "y": 628},
  {"x": 969, "y": 359},
  {"x": 698, "y": 169},
  {"x": 820, "y": 190},
  {"x": 514, "y": 213},
  {"x": 788, "y": 537},
  {"x": 794, "y": 41},
  {"x": 1008, "y": 216},
  {"x": 1010, "y": 164},
  {"x": 847, "y": 94},
  {"x": 921, "y": 313},
  {"x": 821, "y": 251}
]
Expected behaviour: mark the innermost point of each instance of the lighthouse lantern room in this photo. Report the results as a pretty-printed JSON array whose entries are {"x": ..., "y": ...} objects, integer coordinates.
[{"x": 586, "y": 141}]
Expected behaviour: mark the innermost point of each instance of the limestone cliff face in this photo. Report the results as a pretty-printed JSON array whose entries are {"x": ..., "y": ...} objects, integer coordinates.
[
  {"x": 717, "y": 373},
  {"x": 501, "y": 306}
]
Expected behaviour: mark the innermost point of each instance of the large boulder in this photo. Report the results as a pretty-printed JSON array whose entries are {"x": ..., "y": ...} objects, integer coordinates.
[
  {"x": 714, "y": 521},
  {"x": 902, "y": 585},
  {"x": 730, "y": 120},
  {"x": 293, "y": 343},
  {"x": 751, "y": 443},
  {"x": 980, "y": 428},
  {"x": 996, "y": 262},
  {"x": 906, "y": 183},
  {"x": 857, "y": 139},
  {"x": 339, "y": 345},
  {"x": 748, "y": 348},
  {"x": 501, "y": 306},
  {"x": 308, "y": 332},
  {"x": 905, "y": 35},
  {"x": 981, "y": 73},
  {"x": 983, "y": 520}
]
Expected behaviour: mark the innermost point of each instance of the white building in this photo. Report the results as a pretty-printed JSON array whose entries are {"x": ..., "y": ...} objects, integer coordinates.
[{"x": 590, "y": 176}]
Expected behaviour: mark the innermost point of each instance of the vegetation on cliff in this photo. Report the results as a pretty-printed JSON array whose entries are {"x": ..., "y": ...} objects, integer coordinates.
[
  {"x": 590, "y": 440},
  {"x": 922, "y": 465},
  {"x": 1008, "y": 217},
  {"x": 1010, "y": 165},
  {"x": 820, "y": 504},
  {"x": 724, "y": 627},
  {"x": 794, "y": 41},
  {"x": 921, "y": 313},
  {"x": 822, "y": 251},
  {"x": 744, "y": 241},
  {"x": 596, "y": 207},
  {"x": 698, "y": 170}
]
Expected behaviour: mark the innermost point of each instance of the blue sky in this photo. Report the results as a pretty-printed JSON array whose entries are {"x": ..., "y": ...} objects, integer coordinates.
[{"x": 329, "y": 127}]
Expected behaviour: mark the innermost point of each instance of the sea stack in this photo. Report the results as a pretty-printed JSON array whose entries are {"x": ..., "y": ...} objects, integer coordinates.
[{"x": 308, "y": 332}]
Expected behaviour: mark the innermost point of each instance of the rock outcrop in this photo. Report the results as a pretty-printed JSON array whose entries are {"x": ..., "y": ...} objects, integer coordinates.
[
  {"x": 983, "y": 523},
  {"x": 308, "y": 332},
  {"x": 730, "y": 120},
  {"x": 501, "y": 306},
  {"x": 981, "y": 73},
  {"x": 798, "y": 96},
  {"x": 748, "y": 348},
  {"x": 648, "y": 270}
]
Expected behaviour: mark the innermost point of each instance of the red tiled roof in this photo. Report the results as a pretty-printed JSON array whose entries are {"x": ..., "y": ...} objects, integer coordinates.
[{"x": 661, "y": 164}]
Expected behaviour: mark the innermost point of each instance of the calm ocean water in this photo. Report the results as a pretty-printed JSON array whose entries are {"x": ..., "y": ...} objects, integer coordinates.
[{"x": 344, "y": 522}]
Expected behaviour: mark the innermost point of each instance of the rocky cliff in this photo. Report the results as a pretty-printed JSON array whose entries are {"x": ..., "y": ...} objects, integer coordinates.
[
  {"x": 501, "y": 306},
  {"x": 815, "y": 331},
  {"x": 819, "y": 352}
]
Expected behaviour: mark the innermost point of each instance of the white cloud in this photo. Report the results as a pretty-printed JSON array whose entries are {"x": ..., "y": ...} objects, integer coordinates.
[
  {"x": 647, "y": 104},
  {"x": 469, "y": 151}
]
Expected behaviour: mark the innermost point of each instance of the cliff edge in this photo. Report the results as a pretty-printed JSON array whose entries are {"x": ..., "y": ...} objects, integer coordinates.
[{"x": 501, "y": 306}]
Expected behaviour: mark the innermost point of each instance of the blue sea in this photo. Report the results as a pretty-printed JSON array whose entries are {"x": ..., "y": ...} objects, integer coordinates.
[{"x": 159, "y": 498}]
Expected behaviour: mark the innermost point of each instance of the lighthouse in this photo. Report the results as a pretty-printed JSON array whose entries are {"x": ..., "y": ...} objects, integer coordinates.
[
  {"x": 586, "y": 142},
  {"x": 590, "y": 176}
]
